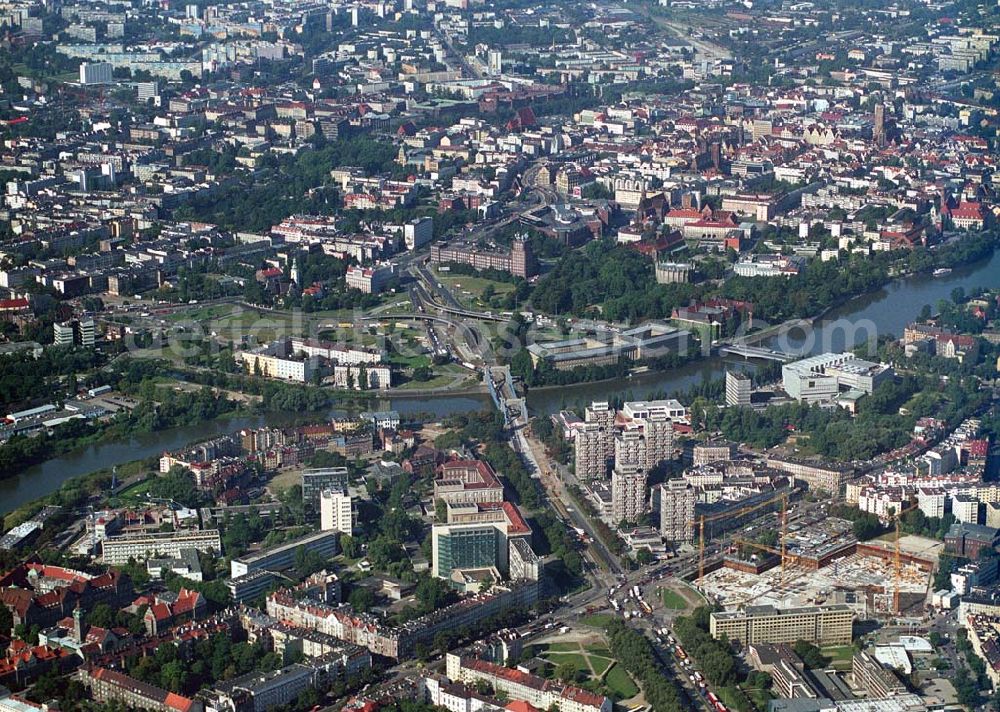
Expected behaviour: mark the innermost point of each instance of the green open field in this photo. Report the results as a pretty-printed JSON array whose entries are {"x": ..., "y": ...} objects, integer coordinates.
[
  {"x": 469, "y": 289},
  {"x": 135, "y": 491},
  {"x": 285, "y": 479},
  {"x": 840, "y": 656},
  {"x": 597, "y": 620},
  {"x": 620, "y": 684},
  {"x": 562, "y": 647},
  {"x": 672, "y": 599},
  {"x": 594, "y": 664},
  {"x": 436, "y": 382}
]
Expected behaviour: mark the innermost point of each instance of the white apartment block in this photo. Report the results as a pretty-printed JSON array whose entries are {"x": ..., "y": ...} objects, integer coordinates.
[
  {"x": 118, "y": 550},
  {"x": 641, "y": 410},
  {"x": 370, "y": 280},
  {"x": 965, "y": 508},
  {"x": 418, "y": 232},
  {"x": 352, "y": 377},
  {"x": 628, "y": 493},
  {"x": 276, "y": 367},
  {"x": 337, "y": 512},
  {"x": 335, "y": 352},
  {"x": 677, "y": 500},
  {"x": 932, "y": 502},
  {"x": 594, "y": 443},
  {"x": 630, "y": 448}
]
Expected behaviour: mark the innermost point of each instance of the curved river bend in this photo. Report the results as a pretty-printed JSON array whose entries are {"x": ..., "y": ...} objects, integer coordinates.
[{"x": 888, "y": 310}]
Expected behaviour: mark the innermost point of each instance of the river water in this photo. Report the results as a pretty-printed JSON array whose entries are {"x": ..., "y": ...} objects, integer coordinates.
[
  {"x": 886, "y": 311},
  {"x": 45, "y": 478}
]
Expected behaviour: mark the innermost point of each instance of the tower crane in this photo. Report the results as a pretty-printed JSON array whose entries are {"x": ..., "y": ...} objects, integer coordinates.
[
  {"x": 783, "y": 497},
  {"x": 896, "y": 554}
]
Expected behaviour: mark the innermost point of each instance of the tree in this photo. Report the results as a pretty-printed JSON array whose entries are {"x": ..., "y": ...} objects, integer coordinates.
[
  {"x": 101, "y": 616},
  {"x": 644, "y": 557},
  {"x": 568, "y": 672},
  {"x": 433, "y": 593},
  {"x": 810, "y": 654},
  {"x": 350, "y": 546},
  {"x": 361, "y": 599}
]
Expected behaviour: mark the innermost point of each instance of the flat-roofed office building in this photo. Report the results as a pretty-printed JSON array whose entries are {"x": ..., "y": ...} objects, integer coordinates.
[{"x": 822, "y": 625}]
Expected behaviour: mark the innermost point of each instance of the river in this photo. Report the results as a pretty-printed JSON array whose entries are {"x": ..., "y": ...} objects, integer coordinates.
[
  {"x": 887, "y": 310},
  {"x": 45, "y": 478}
]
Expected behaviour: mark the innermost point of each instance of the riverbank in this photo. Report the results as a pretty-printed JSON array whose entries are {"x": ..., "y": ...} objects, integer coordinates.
[{"x": 888, "y": 308}]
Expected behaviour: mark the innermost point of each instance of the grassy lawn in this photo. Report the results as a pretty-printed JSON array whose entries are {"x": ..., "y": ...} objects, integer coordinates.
[
  {"x": 839, "y": 652},
  {"x": 435, "y": 382},
  {"x": 135, "y": 490},
  {"x": 619, "y": 683},
  {"x": 672, "y": 599},
  {"x": 760, "y": 698},
  {"x": 600, "y": 665},
  {"x": 469, "y": 290},
  {"x": 577, "y": 660},
  {"x": 595, "y": 663},
  {"x": 597, "y": 620},
  {"x": 840, "y": 656},
  {"x": 285, "y": 479},
  {"x": 410, "y": 361},
  {"x": 734, "y": 698}
]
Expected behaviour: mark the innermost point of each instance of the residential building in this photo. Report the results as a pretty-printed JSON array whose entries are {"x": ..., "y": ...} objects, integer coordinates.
[
  {"x": 628, "y": 493},
  {"x": 250, "y": 586},
  {"x": 262, "y": 691},
  {"x": 400, "y": 642},
  {"x": 280, "y": 557},
  {"x": 117, "y": 550},
  {"x": 418, "y": 232},
  {"x": 677, "y": 501},
  {"x": 594, "y": 442},
  {"x": 738, "y": 389},
  {"x": 337, "y": 511},
  {"x": 965, "y": 508},
  {"x": 107, "y": 685},
  {"x": 516, "y": 684},
  {"x": 712, "y": 451},
  {"x": 96, "y": 73}
]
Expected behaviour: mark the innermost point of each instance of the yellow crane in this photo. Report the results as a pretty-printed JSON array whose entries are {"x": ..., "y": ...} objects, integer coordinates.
[
  {"x": 785, "y": 556},
  {"x": 730, "y": 515},
  {"x": 782, "y": 552}
]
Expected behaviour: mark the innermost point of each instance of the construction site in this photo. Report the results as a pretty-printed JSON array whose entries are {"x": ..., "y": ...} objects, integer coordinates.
[{"x": 825, "y": 565}]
